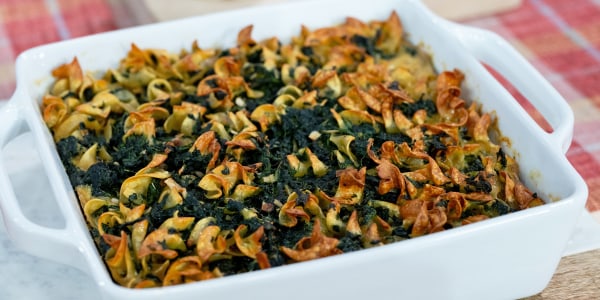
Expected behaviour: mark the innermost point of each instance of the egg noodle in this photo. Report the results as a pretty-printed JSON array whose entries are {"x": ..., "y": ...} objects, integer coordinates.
[{"x": 213, "y": 162}]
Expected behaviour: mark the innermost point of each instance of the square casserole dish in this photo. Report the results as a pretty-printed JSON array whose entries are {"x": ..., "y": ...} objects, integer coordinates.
[{"x": 507, "y": 257}]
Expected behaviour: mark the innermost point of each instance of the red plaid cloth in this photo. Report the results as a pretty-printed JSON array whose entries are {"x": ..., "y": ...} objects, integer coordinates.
[{"x": 560, "y": 38}]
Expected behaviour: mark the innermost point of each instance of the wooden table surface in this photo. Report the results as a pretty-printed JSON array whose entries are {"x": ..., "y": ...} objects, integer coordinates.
[{"x": 577, "y": 277}]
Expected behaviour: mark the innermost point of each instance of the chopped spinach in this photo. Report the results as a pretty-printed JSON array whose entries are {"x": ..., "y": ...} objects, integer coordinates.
[
  {"x": 409, "y": 109},
  {"x": 473, "y": 163},
  {"x": 264, "y": 80},
  {"x": 364, "y": 42},
  {"x": 133, "y": 153},
  {"x": 105, "y": 178},
  {"x": 350, "y": 242}
]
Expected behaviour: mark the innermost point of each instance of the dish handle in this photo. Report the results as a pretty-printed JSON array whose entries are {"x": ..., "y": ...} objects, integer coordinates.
[
  {"x": 57, "y": 244},
  {"x": 491, "y": 49}
]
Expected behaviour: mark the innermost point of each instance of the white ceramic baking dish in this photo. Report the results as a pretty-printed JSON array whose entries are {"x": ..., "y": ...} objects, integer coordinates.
[{"x": 507, "y": 257}]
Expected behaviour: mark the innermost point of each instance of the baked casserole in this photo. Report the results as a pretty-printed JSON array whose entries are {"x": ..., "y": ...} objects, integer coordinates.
[{"x": 210, "y": 162}]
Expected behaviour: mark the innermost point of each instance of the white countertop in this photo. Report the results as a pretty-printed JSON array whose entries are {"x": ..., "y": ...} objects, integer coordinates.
[
  {"x": 26, "y": 277},
  {"x": 23, "y": 276}
]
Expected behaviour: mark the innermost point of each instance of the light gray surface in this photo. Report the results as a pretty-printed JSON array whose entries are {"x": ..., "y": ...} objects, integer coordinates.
[
  {"x": 23, "y": 276},
  {"x": 26, "y": 277}
]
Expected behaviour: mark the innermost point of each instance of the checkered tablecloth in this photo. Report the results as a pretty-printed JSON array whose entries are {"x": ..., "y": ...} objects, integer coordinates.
[{"x": 560, "y": 38}]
